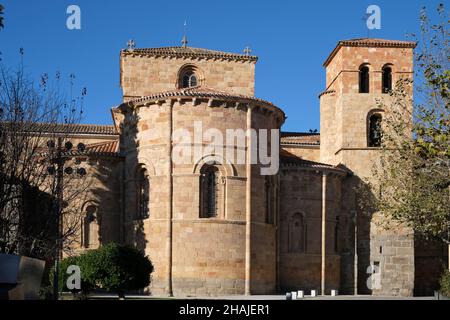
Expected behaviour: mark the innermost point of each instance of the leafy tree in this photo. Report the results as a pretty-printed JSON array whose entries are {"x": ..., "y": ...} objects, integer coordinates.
[
  {"x": 413, "y": 175},
  {"x": 113, "y": 267},
  {"x": 445, "y": 283},
  {"x": 121, "y": 268}
]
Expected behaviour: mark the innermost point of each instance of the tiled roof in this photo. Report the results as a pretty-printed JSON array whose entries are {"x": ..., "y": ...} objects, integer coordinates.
[
  {"x": 103, "y": 147},
  {"x": 369, "y": 42},
  {"x": 58, "y": 128},
  {"x": 300, "y": 138},
  {"x": 189, "y": 52},
  {"x": 106, "y": 148},
  {"x": 199, "y": 92},
  {"x": 377, "y": 42},
  {"x": 290, "y": 159}
]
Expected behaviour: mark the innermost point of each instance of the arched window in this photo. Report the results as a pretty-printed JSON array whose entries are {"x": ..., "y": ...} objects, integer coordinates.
[
  {"x": 189, "y": 79},
  {"x": 90, "y": 226},
  {"x": 209, "y": 177},
  {"x": 374, "y": 138},
  {"x": 387, "y": 79},
  {"x": 143, "y": 194},
  {"x": 297, "y": 234},
  {"x": 364, "y": 79}
]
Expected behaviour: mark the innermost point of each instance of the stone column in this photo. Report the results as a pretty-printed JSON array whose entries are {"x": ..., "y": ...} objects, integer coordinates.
[
  {"x": 324, "y": 225},
  {"x": 248, "y": 204},
  {"x": 169, "y": 289}
]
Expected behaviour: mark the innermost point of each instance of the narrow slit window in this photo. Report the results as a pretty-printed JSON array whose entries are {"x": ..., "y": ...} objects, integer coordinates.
[
  {"x": 387, "y": 79},
  {"x": 143, "y": 194},
  {"x": 375, "y": 130},
  {"x": 364, "y": 79},
  {"x": 209, "y": 192}
]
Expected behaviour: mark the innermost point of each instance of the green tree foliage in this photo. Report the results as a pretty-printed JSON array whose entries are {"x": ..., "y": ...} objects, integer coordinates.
[
  {"x": 113, "y": 267},
  {"x": 445, "y": 283},
  {"x": 414, "y": 174}
]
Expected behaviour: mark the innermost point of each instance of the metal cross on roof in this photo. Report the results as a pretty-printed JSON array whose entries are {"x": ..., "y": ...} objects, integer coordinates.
[
  {"x": 247, "y": 51},
  {"x": 131, "y": 45},
  {"x": 184, "y": 41}
]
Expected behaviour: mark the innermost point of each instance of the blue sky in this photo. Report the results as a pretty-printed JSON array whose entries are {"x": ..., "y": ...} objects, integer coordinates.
[{"x": 291, "y": 38}]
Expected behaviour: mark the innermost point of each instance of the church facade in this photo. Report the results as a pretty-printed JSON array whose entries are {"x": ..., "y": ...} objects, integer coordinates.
[{"x": 218, "y": 226}]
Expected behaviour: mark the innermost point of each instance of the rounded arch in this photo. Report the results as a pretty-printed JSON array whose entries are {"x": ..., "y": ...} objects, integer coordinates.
[
  {"x": 187, "y": 69},
  {"x": 143, "y": 162},
  {"x": 373, "y": 111},
  {"x": 88, "y": 203},
  {"x": 225, "y": 167},
  {"x": 297, "y": 215},
  {"x": 388, "y": 65},
  {"x": 365, "y": 64}
]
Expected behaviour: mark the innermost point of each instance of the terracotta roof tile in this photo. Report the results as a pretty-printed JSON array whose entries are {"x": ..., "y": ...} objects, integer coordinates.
[
  {"x": 198, "y": 92},
  {"x": 58, "y": 128},
  {"x": 300, "y": 138},
  {"x": 369, "y": 42},
  {"x": 289, "y": 159},
  {"x": 103, "y": 147},
  {"x": 189, "y": 52},
  {"x": 377, "y": 42}
]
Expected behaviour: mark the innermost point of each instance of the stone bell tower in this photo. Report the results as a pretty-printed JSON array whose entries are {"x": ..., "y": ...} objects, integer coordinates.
[{"x": 358, "y": 72}]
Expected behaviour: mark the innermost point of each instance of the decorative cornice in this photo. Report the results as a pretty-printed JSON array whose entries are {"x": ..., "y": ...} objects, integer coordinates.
[
  {"x": 369, "y": 42},
  {"x": 196, "y": 93},
  {"x": 188, "y": 52},
  {"x": 331, "y": 91}
]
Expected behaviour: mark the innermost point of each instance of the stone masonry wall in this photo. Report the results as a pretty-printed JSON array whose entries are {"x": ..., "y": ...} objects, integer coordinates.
[{"x": 142, "y": 76}]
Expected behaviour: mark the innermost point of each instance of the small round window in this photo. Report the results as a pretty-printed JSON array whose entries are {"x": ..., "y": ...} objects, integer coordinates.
[
  {"x": 189, "y": 76},
  {"x": 189, "y": 79}
]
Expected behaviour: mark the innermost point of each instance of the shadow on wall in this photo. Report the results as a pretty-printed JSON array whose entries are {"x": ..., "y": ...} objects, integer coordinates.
[
  {"x": 430, "y": 261},
  {"x": 357, "y": 209},
  {"x": 133, "y": 227}
]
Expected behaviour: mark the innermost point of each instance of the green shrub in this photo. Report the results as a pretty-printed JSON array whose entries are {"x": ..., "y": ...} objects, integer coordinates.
[
  {"x": 121, "y": 268},
  {"x": 445, "y": 283},
  {"x": 86, "y": 284},
  {"x": 113, "y": 267}
]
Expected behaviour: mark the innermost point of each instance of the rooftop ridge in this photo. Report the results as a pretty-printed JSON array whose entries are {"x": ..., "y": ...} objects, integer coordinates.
[
  {"x": 180, "y": 51},
  {"x": 289, "y": 159},
  {"x": 198, "y": 91},
  {"x": 70, "y": 128},
  {"x": 369, "y": 42},
  {"x": 298, "y": 133}
]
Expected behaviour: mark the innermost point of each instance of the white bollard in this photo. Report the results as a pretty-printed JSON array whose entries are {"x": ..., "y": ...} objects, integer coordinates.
[
  {"x": 334, "y": 293},
  {"x": 300, "y": 294},
  {"x": 294, "y": 295},
  {"x": 288, "y": 296},
  {"x": 313, "y": 293}
]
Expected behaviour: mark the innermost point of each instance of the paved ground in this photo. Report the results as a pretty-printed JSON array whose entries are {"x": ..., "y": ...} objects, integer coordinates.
[{"x": 260, "y": 297}]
